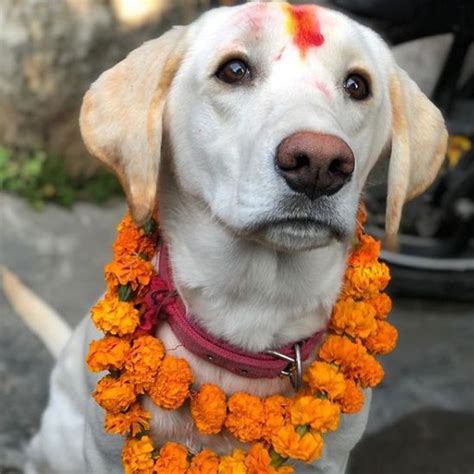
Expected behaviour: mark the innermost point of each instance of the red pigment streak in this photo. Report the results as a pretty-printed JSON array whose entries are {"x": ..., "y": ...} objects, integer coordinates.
[
  {"x": 323, "y": 88},
  {"x": 303, "y": 25}
]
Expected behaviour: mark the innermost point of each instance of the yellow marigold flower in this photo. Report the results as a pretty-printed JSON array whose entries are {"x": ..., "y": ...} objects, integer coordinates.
[
  {"x": 234, "y": 464},
  {"x": 114, "y": 395},
  {"x": 136, "y": 456},
  {"x": 143, "y": 362},
  {"x": 129, "y": 270},
  {"x": 382, "y": 304},
  {"x": 246, "y": 417},
  {"x": 107, "y": 353},
  {"x": 276, "y": 415},
  {"x": 355, "y": 318},
  {"x": 363, "y": 281},
  {"x": 209, "y": 409},
  {"x": 322, "y": 415},
  {"x": 353, "y": 399},
  {"x": 171, "y": 388},
  {"x": 115, "y": 317},
  {"x": 365, "y": 252},
  {"x": 324, "y": 378},
  {"x": 206, "y": 462},
  {"x": 135, "y": 420},
  {"x": 289, "y": 444},
  {"x": 383, "y": 340},
  {"x": 173, "y": 459}
]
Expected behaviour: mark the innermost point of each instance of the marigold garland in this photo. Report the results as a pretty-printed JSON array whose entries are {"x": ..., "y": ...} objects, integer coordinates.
[{"x": 280, "y": 429}]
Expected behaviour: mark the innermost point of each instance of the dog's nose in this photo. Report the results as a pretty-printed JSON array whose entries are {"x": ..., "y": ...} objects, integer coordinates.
[{"x": 315, "y": 164}]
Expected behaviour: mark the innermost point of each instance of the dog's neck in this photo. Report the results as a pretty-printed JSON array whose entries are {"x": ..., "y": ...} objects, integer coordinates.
[{"x": 241, "y": 291}]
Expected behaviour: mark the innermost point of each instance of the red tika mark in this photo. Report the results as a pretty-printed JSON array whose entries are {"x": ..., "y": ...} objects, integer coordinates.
[{"x": 303, "y": 25}]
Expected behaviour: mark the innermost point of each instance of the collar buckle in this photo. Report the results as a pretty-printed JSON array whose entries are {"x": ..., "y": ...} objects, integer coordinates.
[{"x": 294, "y": 370}]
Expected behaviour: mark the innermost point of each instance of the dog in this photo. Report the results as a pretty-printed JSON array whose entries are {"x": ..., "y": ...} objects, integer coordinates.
[{"x": 255, "y": 128}]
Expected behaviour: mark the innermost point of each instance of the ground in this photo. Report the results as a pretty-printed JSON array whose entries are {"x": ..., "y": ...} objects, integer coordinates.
[{"x": 422, "y": 416}]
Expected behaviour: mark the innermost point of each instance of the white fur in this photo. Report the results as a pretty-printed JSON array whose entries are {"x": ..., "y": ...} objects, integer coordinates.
[{"x": 256, "y": 284}]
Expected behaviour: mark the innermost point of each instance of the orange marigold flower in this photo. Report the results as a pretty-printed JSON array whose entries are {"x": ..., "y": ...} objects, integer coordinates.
[
  {"x": 353, "y": 359},
  {"x": 209, "y": 409},
  {"x": 362, "y": 281},
  {"x": 322, "y": 415},
  {"x": 289, "y": 444},
  {"x": 136, "y": 455},
  {"x": 343, "y": 352},
  {"x": 206, "y": 462},
  {"x": 135, "y": 420},
  {"x": 324, "y": 378},
  {"x": 383, "y": 340},
  {"x": 107, "y": 353},
  {"x": 173, "y": 459},
  {"x": 369, "y": 372},
  {"x": 132, "y": 240},
  {"x": 115, "y": 317},
  {"x": 258, "y": 461},
  {"x": 114, "y": 395},
  {"x": 128, "y": 240},
  {"x": 143, "y": 362},
  {"x": 276, "y": 414},
  {"x": 246, "y": 417},
  {"x": 382, "y": 304},
  {"x": 171, "y": 388},
  {"x": 129, "y": 270},
  {"x": 353, "y": 399},
  {"x": 126, "y": 223},
  {"x": 365, "y": 252},
  {"x": 355, "y": 318}
]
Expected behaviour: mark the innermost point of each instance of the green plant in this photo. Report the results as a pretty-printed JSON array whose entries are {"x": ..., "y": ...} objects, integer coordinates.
[{"x": 39, "y": 178}]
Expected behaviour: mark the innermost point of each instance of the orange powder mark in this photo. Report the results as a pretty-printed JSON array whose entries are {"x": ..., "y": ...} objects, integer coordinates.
[{"x": 303, "y": 25}]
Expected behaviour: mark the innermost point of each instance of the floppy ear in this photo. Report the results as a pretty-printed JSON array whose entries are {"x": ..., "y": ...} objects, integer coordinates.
[
  {"x": 419, "y": 140},
  {"x": 121, "y": 117}
]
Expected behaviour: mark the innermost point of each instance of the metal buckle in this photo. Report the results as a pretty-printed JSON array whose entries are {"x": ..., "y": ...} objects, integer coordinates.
[{"x": 294, "y": 370}]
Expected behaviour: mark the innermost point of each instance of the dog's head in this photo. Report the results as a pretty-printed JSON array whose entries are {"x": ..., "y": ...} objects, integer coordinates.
[{"x": 275, "y": 116}]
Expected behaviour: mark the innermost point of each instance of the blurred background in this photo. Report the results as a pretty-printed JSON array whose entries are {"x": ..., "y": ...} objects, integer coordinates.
[{"x": 58, "y": 212}]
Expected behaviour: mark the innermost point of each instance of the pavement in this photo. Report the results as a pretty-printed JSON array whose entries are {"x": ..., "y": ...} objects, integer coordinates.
[{"x": 422, "y": 416}]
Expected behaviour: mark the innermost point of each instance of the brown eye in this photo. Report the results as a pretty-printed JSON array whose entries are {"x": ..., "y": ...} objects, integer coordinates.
[
  {"x": 357, "y": 87},
  {"x": 233, "y": 71}
]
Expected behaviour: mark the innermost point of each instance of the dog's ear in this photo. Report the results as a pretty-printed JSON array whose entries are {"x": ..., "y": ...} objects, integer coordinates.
[
  {"x": 121, "y": 117},
  {"x": 419, "y": 140}
]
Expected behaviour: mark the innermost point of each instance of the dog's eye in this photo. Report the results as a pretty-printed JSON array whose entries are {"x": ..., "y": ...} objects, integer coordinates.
[
  {"x": 233, "y": 71},
  {"x": 357, "y": 87}
]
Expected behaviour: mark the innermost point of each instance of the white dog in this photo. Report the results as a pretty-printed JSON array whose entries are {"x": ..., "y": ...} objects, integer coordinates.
[{"x": 255, "y": 127}]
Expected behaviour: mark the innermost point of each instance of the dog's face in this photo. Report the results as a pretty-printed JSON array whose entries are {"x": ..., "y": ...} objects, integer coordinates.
[{"x": 275, "y": 115}]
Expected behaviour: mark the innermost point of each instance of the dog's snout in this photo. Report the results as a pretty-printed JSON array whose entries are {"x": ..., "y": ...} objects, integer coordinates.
[{"x": 315, "y": 164}]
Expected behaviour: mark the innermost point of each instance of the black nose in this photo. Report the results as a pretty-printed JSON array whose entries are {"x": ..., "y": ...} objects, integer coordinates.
[{"x": 315, "y": 164}]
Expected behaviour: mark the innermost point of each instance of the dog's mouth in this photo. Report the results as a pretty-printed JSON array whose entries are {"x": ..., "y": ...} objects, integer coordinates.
[{"x": 296, "y": 233}]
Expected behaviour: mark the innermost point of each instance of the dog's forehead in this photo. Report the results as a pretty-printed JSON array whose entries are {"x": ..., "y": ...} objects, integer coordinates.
[{"x": 305, "y": 27}]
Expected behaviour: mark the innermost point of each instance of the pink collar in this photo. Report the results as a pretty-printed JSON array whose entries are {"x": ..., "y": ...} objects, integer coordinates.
[{"x": 164, "y": 302}]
